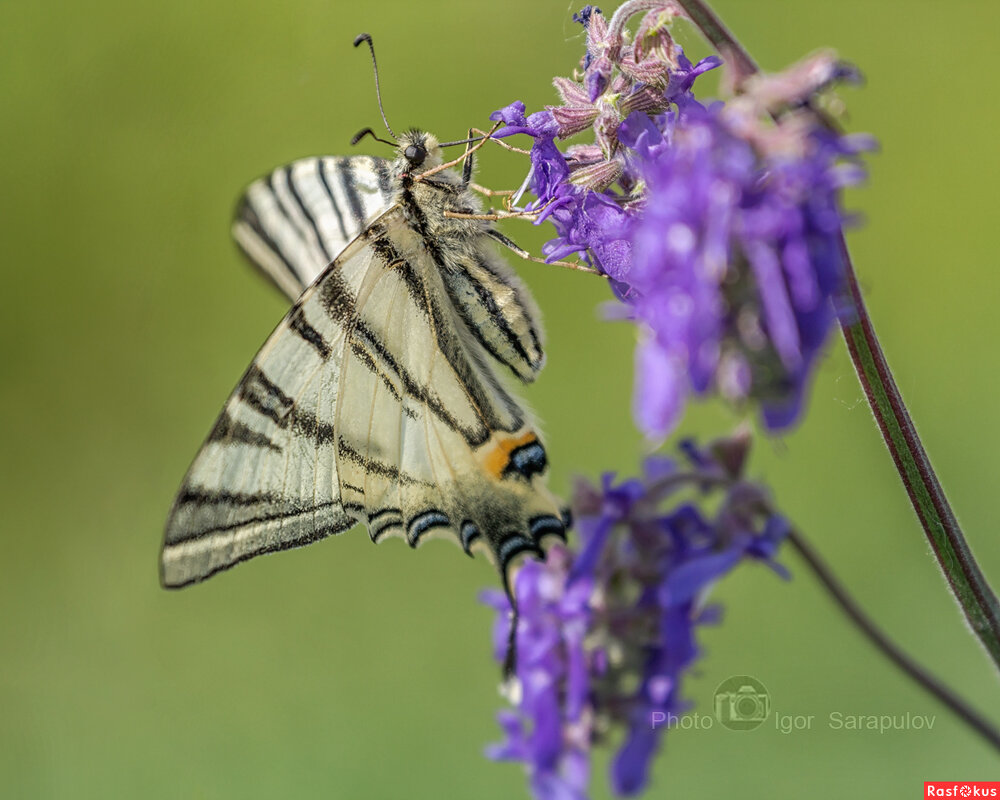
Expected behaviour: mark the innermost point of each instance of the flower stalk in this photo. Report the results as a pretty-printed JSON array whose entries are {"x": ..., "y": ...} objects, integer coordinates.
[
  {"x": 966, "y": 580},
  {"x": 887, "y": 647},
  {"x": 732, "y": 52}
]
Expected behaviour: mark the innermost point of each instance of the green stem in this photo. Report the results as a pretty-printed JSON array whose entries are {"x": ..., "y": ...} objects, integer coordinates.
[
  {"x": 967, "y": 582},
  {"x": 888, "y": 648}
]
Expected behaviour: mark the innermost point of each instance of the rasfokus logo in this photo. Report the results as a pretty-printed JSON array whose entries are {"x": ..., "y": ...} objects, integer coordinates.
[{"x": 962, "y": 789}]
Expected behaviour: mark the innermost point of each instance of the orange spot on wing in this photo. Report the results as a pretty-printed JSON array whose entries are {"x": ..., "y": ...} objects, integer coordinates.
[{"x": 498, "y": 457}]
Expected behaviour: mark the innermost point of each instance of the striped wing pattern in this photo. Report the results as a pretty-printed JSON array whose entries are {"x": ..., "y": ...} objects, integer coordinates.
[
  {"x": 374, "y": 400},
  {"x": 292, "y": 223}
]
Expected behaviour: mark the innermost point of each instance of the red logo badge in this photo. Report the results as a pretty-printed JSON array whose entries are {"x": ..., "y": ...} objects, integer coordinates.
[{"x": 962, "y": 789}]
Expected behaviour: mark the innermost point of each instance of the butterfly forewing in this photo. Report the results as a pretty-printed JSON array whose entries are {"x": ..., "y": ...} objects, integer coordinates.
[
  {"x": 295, "y": 221},
  {"x": 267, "y": 479}
]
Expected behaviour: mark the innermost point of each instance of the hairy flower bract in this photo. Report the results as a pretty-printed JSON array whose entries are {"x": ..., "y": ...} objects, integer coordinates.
[{"x": 718, "y": 226}]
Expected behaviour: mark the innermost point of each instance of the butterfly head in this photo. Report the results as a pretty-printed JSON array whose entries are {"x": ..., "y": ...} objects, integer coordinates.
[{"x": 419, "y": 150}]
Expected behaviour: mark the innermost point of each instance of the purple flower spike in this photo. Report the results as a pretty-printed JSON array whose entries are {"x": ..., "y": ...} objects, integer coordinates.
[
  {"x": 718, "y": 226},
  {"x": 550, "y": 733}
]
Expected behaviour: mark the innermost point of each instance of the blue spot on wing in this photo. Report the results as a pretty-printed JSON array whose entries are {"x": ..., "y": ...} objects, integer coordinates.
[
  {"x": 378, "y": 524},
  {"x": 545, "y": 525},
  {"x": 512, "y": 545},
  {"x": 469, "y": 532},
  {"x": 422, "y": 523},
  {"x": 527, "y": 460}
]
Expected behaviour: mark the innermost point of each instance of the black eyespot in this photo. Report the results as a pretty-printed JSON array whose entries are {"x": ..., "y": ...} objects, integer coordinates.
[{"x": 415, "y": 154}]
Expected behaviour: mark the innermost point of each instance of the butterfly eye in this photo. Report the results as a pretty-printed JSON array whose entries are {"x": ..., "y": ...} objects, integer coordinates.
[{"x": 415, "y": 154}]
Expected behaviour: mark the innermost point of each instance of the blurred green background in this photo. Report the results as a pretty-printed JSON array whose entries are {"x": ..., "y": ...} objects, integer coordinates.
[{"x": 342, "y": 670}]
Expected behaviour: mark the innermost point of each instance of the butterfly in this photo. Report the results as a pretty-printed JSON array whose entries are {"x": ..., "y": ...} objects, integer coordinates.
[{"x": 376, "y": 400}]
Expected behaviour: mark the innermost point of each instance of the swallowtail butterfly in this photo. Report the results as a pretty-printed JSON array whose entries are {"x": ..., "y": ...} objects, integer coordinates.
[{"x": 376, "y": 399}]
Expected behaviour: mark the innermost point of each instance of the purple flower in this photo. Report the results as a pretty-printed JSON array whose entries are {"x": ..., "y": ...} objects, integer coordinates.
[
  {"x": 736, "y": 268},
  {"x": 572, "y": 189},
  {"x": 606, "y": 634},
  {"x": 550, "y": 733},
  {"x": 718, "y": 226}
]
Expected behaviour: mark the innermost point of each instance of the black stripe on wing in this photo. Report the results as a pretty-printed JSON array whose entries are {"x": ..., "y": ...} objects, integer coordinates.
[
  {"x": 308, "y": 214},
  {"x": 376, "y": 467},
  {"x": 380, "y": 521},
  {"x": 309, "y": 425},
  {"x": 484, "y": 390},
  {"x": 324, "y": 179},
  {"x": 345, "y": 173},
  {"x": 546, "y": 525},
  {"x": 298, "y": 323},
  {"x": 336, "y": 298},
  {"x": 227, "y": 429},
  {"x": 468, "y": 533},
  {"x": 209, "y": 497},
  {"x": 247, "y": 214},
  {"x": 265, "y": 396},
  {"x": 509, "y": 548},
  {"x": 177, "y": 569},
  {"x": 372, "y": 354},
  {"x": 474, "y": 288},
  {"x": 285, "y": 215}
]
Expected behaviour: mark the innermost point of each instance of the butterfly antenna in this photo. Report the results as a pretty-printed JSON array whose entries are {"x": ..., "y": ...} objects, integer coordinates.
[
  {"x": 365, "y": 37},
  {"x": 369, "y": 132}
]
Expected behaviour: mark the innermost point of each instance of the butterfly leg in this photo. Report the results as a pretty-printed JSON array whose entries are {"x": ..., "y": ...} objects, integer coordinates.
[
  {"x": 467, "y": 167},
  {"x": 493, "y": 216},
  {"x": 500, "y": 142},
  {"x": 504, "y": 193},
  {"x": 520, "y": 251}
]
